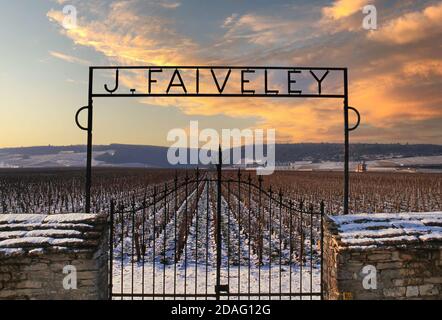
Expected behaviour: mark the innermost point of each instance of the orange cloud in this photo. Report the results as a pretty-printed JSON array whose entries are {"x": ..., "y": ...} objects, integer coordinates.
[
  {"x": 424, "y": 68},
  {"x": 128, "y": 38},
  {"x": 343, "y": 8},
  {"x": 399, "y": 94},
  {"x": 411, "y": 27},
  {"x": 384, "y": 88}
]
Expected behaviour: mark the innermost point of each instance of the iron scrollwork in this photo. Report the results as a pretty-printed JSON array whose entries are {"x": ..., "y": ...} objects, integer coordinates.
[
  {"x": 359, "y": 118},
  {"x": 76, "y": 118}
]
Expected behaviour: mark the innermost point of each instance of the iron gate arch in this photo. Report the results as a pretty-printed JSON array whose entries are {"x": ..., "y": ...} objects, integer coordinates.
[
  {"x": 243, "y": 93},
  {"x": 124, "y": 217},
  {"x": 215, "y": 235}
]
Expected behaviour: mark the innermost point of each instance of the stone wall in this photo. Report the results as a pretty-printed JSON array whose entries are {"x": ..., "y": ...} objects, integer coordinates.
[
  {"x": 401, "y": 253},
  {"x": 36, "y": 252}
]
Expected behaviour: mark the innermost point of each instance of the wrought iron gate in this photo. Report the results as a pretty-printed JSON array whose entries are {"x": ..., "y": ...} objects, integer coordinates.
[{"x": 215, "y": 235}]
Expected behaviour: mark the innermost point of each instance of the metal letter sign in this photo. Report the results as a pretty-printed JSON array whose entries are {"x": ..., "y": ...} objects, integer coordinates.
[{"x": 221, "y": 81}]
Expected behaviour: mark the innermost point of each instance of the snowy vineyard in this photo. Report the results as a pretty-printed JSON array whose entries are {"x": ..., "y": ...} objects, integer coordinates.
[
  {"x": 167, "y": 246},
  {"x": 165, "y": 223},
  {"x": 62, "y": 190}
]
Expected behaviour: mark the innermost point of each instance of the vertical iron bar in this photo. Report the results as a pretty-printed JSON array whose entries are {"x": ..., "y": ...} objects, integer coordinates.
[
  {"x": 239, "y": 234},
  {"x": 249, "y": 232},
  {"x": 89, "y": 142},
  {"x": 111, "y": 247},
  {"x": 133, "y": 247},
  {"x": 154, "y": 238},
  {"x": 270, "y": 244},
  {"x": 291, "y": 246},
  {"x": 261, "y": 242},
  {"x": 280, "y": 245},
  {"x": 346, "y": 144},
  {"x": 311, "y": 251},
  {"x": 185, "y": 235},
  {"x": 143, "y": 245},
  {"x": 165, "y": 220},
  {"x": 228, "y": 235},
  {"x": 196, "y": 232},
  {"x": 207, "y": 236},
  {"x": 301, "y": 246},
  {"x": 218, "y": 227},
  {"x": 122, "y": 251},
  {"x": 175, "y": 234},
  {"x": 322, "y": 250}
]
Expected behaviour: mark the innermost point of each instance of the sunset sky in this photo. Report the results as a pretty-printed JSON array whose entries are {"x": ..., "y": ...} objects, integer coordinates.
[{"x": 395, "y": 72}]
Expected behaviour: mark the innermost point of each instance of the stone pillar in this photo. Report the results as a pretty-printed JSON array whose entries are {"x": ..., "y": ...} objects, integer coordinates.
[
  {"x": 42, "y": 256},
  {"x": 399, "y": 257}
]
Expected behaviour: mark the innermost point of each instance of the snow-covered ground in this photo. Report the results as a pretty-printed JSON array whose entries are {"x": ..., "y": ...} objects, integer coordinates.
[
  {"x": 193, "y": 270},
  {"x": 430, "y": 164},
  {"x": 183, "y": 281},
  {"x": 61, "y": 159}
]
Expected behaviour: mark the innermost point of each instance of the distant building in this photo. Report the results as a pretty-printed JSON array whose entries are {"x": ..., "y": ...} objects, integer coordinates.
[{"x": 362, "y": 167}]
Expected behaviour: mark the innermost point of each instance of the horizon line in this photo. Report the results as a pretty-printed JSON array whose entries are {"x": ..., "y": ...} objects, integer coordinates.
[{"x": 165, "y": 146}]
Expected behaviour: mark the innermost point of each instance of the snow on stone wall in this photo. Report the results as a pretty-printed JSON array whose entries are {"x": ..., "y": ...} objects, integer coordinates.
[
  {"x": 36, "y": 248},
  {"x": 403, "y": 250},
  {"x": 386, "y": 228}
]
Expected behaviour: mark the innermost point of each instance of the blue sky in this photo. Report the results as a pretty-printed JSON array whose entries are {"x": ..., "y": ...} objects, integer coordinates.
[{"x": 395, "y": 71}]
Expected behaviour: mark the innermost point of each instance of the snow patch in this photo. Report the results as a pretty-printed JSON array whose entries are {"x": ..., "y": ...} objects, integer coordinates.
[
  {"x": 52, "y": 233},
  {"x": 27, "y": 218},
  {"x": 24, "y": 242},
  {"x": 10, "y": 251},
  {"x": 362, "y": 230},
  {"x": 4, "y": 235},
  {"x": 66, "y": 241},
  {"x": 36, "y": 251},
  {"x": 71, "y": 217},
  {"x": 36, "y": 232}
]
